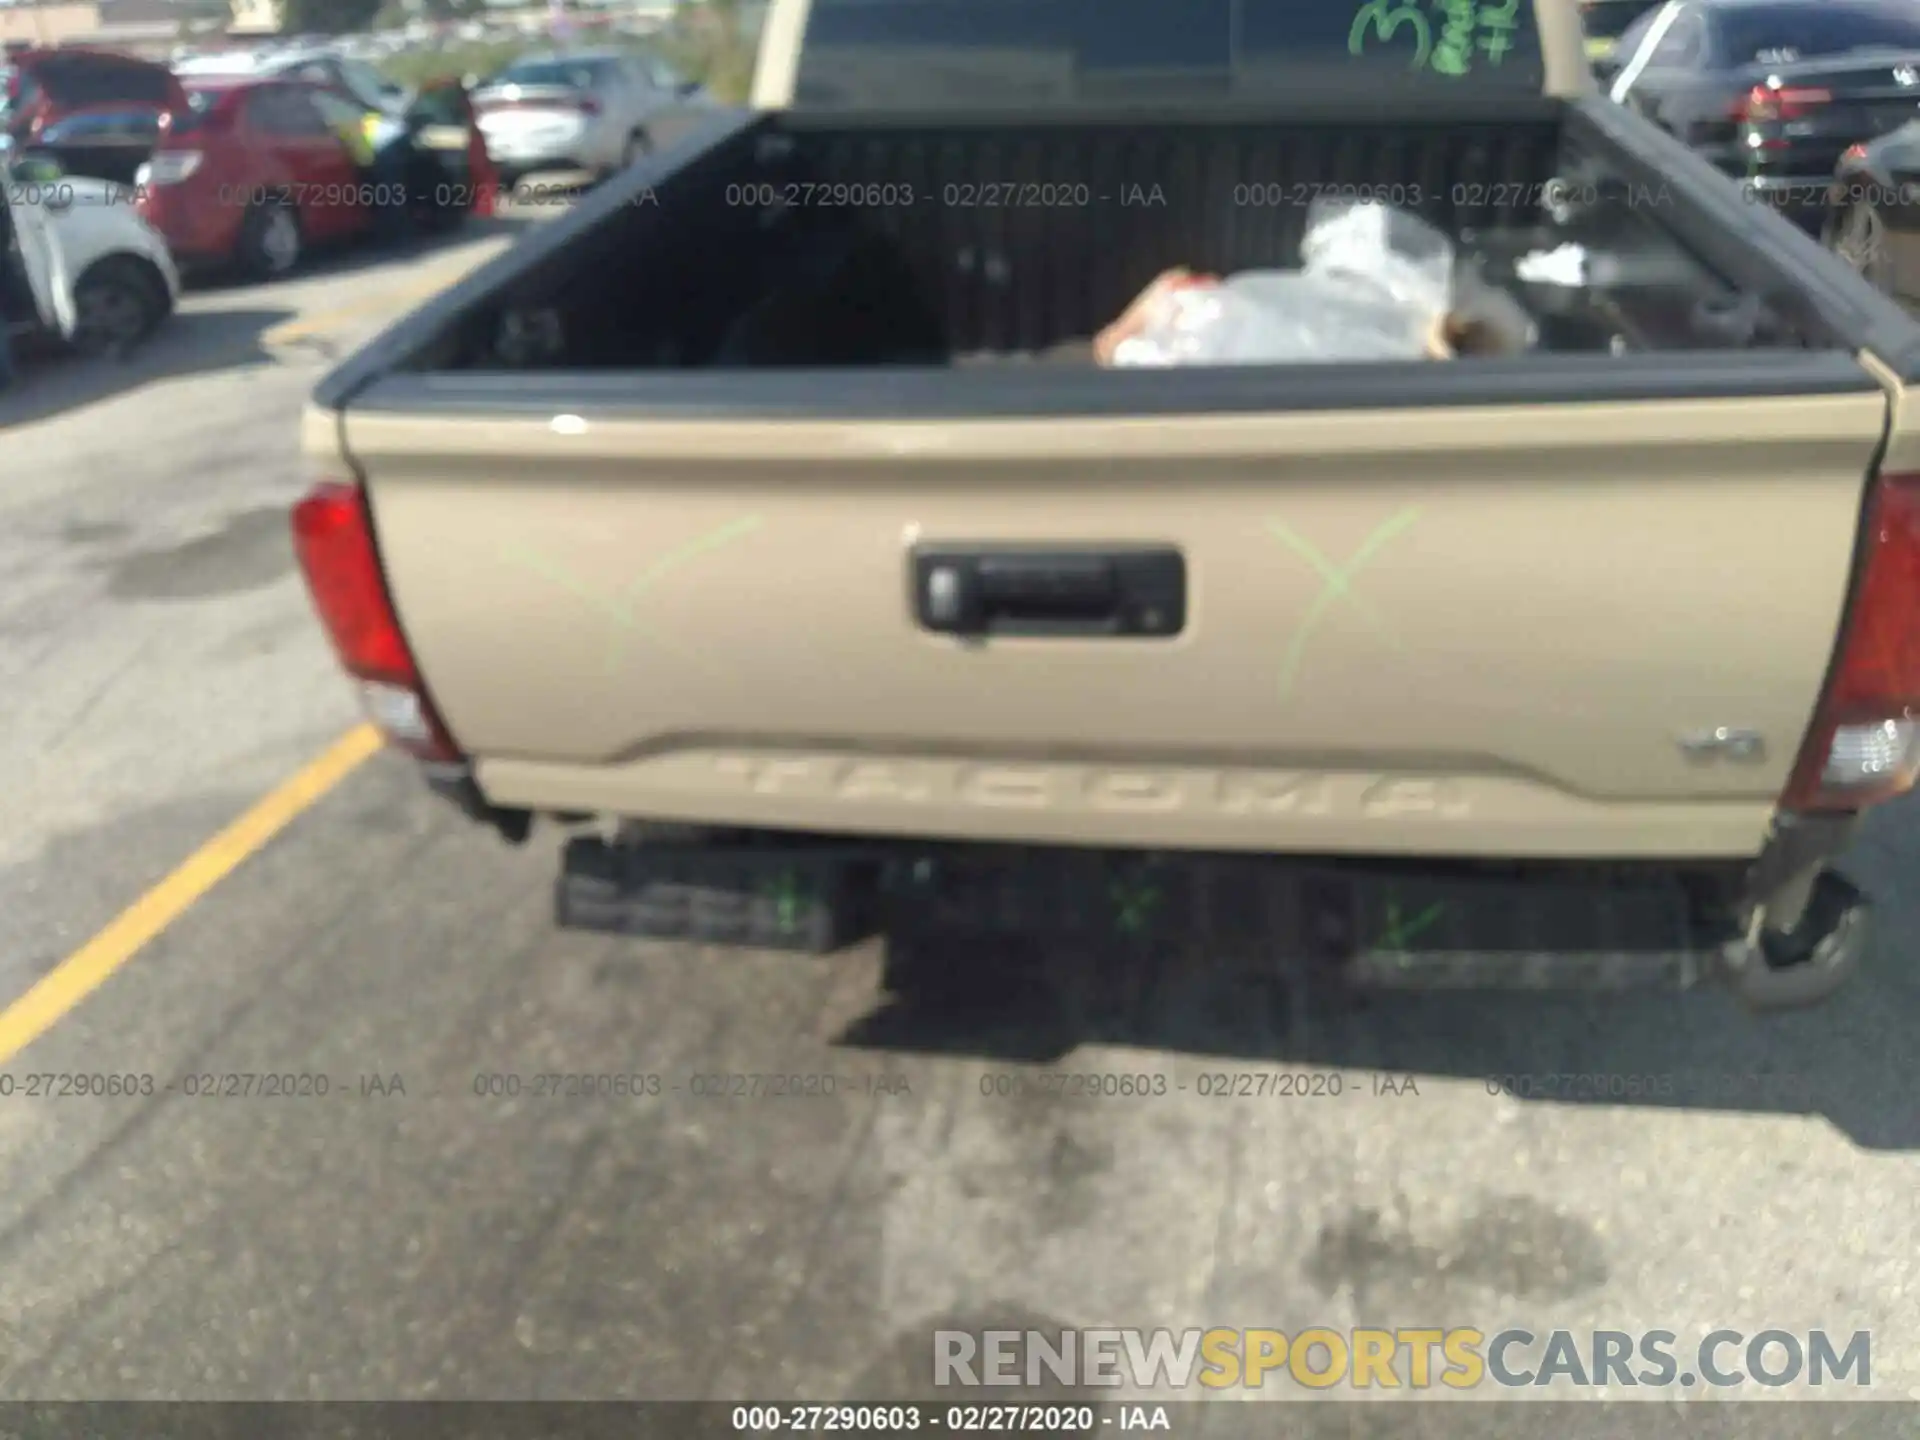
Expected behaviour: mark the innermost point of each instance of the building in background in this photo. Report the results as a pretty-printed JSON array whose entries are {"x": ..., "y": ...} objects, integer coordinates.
[
  {"x": 257, "y": 18},
  {"x": 41, "y": 26},
  {"x": 143, "y": 27},
  {"x": 140, "y": 27}
]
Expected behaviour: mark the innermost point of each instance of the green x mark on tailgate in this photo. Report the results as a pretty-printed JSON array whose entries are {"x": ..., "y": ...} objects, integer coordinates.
[
  {"x": 1337, "y": 585},
  {"x": 623, "y": 607}
]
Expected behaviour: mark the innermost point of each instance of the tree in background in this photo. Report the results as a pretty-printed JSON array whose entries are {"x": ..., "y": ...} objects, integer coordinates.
[
  {"x": 708, "y": 38},
  {"x": 329, "y": 17}
]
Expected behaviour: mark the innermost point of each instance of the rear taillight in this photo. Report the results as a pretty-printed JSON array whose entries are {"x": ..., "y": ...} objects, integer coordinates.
[
  {"x": 587, "y": 106},
  {"x": 170, "y": 167},
  {"x": 333, "y": 540},
  {"x": 1765, "y": 104},
  {"x": 1862, "y": 747}
]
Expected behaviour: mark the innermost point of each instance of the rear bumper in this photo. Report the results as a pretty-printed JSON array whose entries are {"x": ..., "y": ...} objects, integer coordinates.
[
  {"x": 1796, "y": 848},
  {"x": 162, "y": 256},
  {"x": 198, "y": 230},
  {"x": 571, "y": 153},
  {"x": 1144, "y": 805},
  {"x": 513, "y": 180},
  {"x": 588, "y": 148},
  {"x": 1531, "y": 926}
]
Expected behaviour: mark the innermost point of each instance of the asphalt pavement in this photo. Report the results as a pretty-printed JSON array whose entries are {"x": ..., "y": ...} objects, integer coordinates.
[{"x": 410, "y": 1233}]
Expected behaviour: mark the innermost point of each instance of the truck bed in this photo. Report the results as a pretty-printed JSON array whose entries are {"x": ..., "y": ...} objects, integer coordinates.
[
  {"x": 807, "y": 245},
  {"x": 659, "y": 495}
]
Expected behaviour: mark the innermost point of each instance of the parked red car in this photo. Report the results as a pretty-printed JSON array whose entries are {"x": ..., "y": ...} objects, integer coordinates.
[
  {"x": 96, "y": 111},
  {"x": 251, "y": 173}
]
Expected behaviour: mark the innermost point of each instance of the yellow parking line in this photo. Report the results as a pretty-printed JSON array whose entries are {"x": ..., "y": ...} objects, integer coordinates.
[
  {"x": 87, "y": 968},
  {"x": 382, "y": 302},
  {"x": 305, "y": 327}
]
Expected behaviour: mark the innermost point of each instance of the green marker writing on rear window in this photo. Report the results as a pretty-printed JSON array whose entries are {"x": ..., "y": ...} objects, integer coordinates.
[{"x": 1464, "y": 27}]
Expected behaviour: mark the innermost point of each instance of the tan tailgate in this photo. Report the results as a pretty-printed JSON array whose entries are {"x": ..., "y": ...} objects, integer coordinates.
[{"x": 1449, "y": 631}]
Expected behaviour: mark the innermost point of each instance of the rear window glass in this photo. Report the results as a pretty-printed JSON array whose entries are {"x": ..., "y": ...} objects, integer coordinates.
[
  {"x": 440, "y": 105},
  {"x": 574, "y": 74},
  {"x": 903, "y": 53},
  {"x": 102, "y": 82},
  {"x": 364, "y": 81},
  {"x": 1782, "y": 34},
  {"x": 664, "y": 75},
  {"x": 104, "y": 127}
]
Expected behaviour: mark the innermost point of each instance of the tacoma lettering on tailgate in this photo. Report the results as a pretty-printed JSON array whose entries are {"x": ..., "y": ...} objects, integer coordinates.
[
  {"x": 1389, "y": 797},
  {"x": 1131, "y": 790}
]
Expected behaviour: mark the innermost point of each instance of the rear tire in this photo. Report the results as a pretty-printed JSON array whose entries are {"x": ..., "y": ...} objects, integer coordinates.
[
  {"x": 119, "y": 304},
  {"x": 270, "y": 243},
  {"x": 637, "y": 148}
]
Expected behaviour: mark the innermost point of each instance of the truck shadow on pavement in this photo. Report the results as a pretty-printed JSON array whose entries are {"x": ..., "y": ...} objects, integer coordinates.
[
  {"x": 189, "y": 343},
  {"x": 1036, "y": 1002}
]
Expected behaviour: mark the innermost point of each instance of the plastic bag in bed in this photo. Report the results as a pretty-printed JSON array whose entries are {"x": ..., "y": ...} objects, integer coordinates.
[{"x": 1375, "y": 284}]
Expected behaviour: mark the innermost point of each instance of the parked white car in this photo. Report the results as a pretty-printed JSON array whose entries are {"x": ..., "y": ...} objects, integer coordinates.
[
  {"x": 99, "y": 277},
  {"x": 592, "y": 110}
]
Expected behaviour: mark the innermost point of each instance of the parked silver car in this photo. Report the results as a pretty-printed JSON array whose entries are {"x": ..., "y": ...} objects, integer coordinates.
[{"x": 597, "y": 111}]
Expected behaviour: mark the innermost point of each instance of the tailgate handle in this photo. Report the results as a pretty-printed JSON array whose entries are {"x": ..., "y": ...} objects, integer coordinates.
[
  {"x": 1042, "y": 587},
  {"x": 1109, "y": 590}
]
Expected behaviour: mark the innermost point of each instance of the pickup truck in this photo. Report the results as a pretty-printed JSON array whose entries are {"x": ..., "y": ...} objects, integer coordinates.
[{"x": 767, "y": 519}]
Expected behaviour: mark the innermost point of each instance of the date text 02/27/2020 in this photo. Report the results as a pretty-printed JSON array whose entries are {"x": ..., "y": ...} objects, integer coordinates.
[
  {"x": 1208, "y": 1085},
  {"x": 911, "y": 1416}
]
